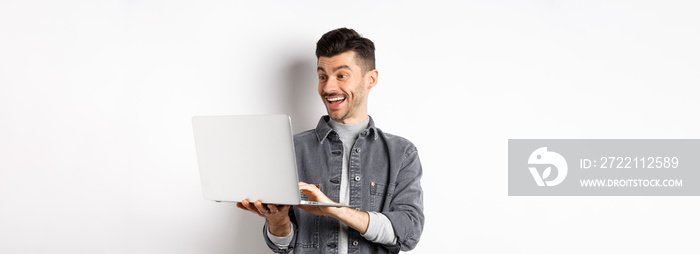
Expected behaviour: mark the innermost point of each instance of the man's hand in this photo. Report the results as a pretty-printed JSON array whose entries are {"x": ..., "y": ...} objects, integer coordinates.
[
  {"x": 355, "y": 219},
  {"x": 315, "y": 194},
  {"x": 277, "y": 216}
]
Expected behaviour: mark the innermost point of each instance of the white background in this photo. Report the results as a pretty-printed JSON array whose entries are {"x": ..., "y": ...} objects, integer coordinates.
[{"x": 96, "y": 146}]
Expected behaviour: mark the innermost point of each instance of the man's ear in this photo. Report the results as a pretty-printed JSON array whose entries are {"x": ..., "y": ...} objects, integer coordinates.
[{"x": 372, "y": 78}]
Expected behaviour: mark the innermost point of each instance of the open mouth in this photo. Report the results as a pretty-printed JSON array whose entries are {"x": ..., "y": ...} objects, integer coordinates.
[{"x": 335, "y": 100}]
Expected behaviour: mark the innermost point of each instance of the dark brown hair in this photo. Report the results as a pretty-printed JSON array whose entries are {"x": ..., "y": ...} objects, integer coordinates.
[{"x": 342, "y": 40}]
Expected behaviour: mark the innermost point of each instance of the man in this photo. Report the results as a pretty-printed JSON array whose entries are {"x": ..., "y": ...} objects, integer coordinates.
[{"x": 347, "y": 159}]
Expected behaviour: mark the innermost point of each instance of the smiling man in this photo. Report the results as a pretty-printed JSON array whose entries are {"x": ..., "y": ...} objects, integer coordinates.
[{"x": 348, "y": 160}]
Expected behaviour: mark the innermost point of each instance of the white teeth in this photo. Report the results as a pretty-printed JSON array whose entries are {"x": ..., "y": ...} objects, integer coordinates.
[{"x": 335, "y": 99}]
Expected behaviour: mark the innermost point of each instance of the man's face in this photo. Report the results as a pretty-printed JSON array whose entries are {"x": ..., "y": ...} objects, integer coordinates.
[{"x": 344, "y": 88}]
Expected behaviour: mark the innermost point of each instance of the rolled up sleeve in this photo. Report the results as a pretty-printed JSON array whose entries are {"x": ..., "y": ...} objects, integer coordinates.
[{"x": 406, "y": 207}]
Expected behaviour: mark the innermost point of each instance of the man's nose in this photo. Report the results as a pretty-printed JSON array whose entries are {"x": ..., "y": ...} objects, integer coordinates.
[{"x": 330, "y": 86}]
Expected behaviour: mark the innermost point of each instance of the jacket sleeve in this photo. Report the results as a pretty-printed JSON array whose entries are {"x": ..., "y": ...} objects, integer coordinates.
[
  {"x": 406, "y": 208},
  {"x": 295, "y": 232}
]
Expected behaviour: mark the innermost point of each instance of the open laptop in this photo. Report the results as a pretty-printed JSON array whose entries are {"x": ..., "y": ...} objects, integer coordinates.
[{"x": 248, "y": 157}]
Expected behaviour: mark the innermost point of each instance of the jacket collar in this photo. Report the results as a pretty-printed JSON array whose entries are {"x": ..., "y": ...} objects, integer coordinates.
[{"x": 323, "y": 129}]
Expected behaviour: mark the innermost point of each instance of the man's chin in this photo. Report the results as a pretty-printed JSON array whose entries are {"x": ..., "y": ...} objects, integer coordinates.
[{"x": 337, "y": 116}]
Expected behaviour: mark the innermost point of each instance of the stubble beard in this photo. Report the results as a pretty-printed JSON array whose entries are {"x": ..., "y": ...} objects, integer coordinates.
[{"x": 351, "y": 107}]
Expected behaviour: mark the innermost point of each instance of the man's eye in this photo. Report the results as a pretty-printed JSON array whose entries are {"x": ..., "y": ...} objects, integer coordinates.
[
  {"x": 342, "y": 76},
  {"x": 321, "y": 78}
]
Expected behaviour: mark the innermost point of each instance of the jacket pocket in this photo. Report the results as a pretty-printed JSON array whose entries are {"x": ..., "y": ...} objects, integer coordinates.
[{"x": 380, "y": 193}]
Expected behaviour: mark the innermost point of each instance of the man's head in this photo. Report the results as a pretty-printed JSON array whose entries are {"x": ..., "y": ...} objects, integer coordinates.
[{"x": 346, "y": 73}]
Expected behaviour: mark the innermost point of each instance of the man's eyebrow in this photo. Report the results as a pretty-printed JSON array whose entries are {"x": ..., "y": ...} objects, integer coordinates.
[
  {"x": 319, "y": 68},
  {"x": 341, "y": 67}
]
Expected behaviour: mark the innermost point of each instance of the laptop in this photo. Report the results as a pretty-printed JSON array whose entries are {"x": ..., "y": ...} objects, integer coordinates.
[{"x": 248, "y": 157}]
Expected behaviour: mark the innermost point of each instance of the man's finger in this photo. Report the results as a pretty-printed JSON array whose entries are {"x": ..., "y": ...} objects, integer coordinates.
[
  {"x": 303, "y": 184},
  {"x": 244, "y": 204},
  {"x": 259, "y": 206},
  {"x": 308, "y": 187},
  {"x": 272, "y": 208}
]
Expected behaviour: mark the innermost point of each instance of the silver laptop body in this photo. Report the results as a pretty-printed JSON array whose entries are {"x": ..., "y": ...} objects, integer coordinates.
[{"x": 248, "y": 157}]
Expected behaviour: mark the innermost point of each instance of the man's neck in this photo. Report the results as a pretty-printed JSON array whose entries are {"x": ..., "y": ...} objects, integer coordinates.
[{"x": 352, "y": 120}]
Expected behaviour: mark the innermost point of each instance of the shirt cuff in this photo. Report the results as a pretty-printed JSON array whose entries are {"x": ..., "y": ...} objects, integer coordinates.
[
  {"x": 281, "y": 242},
  {"x": 380, "y": 229}
]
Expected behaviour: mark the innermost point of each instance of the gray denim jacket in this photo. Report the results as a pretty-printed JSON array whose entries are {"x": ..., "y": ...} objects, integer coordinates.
[{"x": 384, "y": 177}]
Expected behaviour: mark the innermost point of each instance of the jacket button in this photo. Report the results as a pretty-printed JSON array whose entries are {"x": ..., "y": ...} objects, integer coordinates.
[
  {"x": 355, "y": 243},
  {"x": 357, "y": 178},
  {"x": 358, "y": 150}
]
